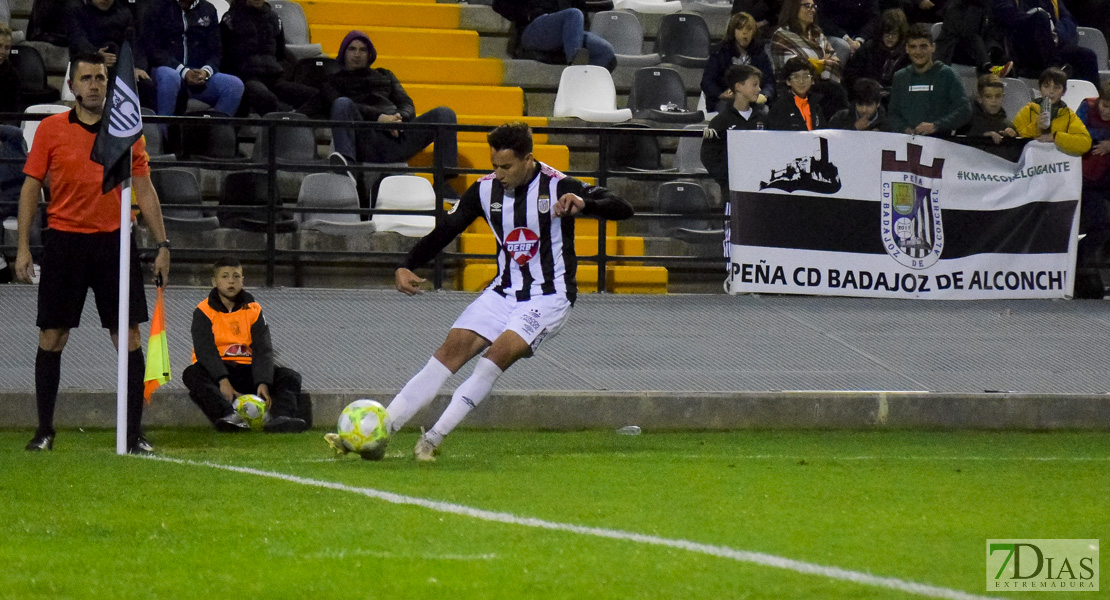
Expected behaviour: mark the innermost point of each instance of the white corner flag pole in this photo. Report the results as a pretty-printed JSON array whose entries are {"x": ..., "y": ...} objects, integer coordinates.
[{"x": 122, "y": 325}]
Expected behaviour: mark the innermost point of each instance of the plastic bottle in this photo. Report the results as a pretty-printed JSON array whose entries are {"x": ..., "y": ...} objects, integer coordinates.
[{"x": 629, "y": 430}]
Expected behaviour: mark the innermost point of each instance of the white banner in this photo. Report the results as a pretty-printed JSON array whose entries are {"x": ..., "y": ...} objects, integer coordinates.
[{"x": 888, "y": 215}]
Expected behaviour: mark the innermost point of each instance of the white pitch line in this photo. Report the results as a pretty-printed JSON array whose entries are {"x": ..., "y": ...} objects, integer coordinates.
[
  {"x": 911, "y": 458},
  {"x": 758, "y": 558}
]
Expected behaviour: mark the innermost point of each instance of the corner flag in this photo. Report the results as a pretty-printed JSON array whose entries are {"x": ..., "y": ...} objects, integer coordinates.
[
  {"x": 122, "y": 123},
  {"x": 157, "y": 349}
]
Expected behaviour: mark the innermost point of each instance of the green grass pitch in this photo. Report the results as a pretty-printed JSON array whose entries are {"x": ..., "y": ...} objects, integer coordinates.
[{"x": 81, "y": 522}]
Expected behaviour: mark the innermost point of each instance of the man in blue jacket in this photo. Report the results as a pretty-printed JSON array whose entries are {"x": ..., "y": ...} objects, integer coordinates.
[{"x": 183, "y": 47}]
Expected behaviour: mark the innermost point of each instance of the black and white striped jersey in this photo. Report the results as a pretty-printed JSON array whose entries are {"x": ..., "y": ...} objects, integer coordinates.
[{"x": 535, "y": 249}]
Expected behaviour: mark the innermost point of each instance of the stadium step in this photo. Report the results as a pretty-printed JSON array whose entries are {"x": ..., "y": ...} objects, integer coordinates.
[
  {"x": 441, "y": 70},
  {"x": 401, "y": 41},
  {"x": 384, "y": 14},
  {"x": 475, "y": 155},
  {"x": 468, "y": 99}
]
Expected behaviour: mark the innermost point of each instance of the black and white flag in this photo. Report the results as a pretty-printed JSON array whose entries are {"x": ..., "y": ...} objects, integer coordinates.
[{"x": 121, "y": 125}]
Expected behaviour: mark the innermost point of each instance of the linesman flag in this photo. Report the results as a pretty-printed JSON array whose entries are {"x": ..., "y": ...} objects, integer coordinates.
[
  {"x": 157, "y": 349},
  {"x": 121, "y": 125}
]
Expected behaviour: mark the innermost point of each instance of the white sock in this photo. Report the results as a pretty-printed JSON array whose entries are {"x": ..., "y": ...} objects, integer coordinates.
[
  {"x": 467, "y": 397},
  {"x": 417, "y": 393}
]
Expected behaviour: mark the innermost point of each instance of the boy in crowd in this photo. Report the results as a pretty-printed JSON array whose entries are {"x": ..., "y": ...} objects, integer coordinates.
[
  {"x": 232, "y": 355},
  {"x": 1054, "y": 122},
  {"x": 927, "y": 97},
  {"x": 868, "y": 114},
  {"x": 987, "y": 115},
  {"x": 798, "y": 110},
  {"x": 743, "y": 113}
]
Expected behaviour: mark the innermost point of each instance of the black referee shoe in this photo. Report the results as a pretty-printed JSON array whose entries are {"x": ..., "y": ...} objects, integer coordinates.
[{"x": 40, "y": 443}]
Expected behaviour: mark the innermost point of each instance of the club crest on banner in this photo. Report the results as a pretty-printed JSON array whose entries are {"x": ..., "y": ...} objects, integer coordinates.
[
  {"x": 124, "y": 119},
  {"x": 815, "y": 173},
  {"x": 911, "y": 225}
]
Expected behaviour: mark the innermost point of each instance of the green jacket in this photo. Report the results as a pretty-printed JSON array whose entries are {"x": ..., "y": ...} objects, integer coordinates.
[{"x": 935, "y": 96}]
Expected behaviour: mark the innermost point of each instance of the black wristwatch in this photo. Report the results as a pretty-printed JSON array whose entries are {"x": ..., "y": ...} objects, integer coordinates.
[{"x": 165, "y": 244}]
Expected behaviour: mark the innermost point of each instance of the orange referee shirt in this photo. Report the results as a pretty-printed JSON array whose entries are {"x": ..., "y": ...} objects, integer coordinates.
[{"x": 60, "y": 156}]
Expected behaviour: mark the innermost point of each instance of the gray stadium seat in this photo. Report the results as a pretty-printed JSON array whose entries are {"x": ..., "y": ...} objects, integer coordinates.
[
  {"x": 251, "y": 188},
  {"x": 656, "y": 87},
  {"x": 294, "y": 144},
  {"x": 624, "y": 31},
  {"x": 678, "y": 197},
  {"x": 331, "y": 191},
  {"x": 1017, "y": 94},
  {"x": 295, "y": 25},
  {"x": 683, "y": 40},
  {"x": 687, "y": 158},
  {"x": 1092, "y": 38},
  {"x": 180, "y": 187}
]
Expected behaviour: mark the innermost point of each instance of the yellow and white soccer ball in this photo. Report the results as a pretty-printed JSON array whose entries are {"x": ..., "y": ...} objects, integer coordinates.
[
  {"x": 364, "y": 427},
  {"x": 252, "y": 408}
]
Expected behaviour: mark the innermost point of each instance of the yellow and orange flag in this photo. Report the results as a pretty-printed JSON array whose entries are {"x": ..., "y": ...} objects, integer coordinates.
[{"x": 158, "y": 352}]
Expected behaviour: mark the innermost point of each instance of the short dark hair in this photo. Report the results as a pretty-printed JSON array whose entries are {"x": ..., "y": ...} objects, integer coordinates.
[
  {"x": 91, "y": 58},
  {"x": 990, "y": 80},
  {"x": 741, "y": 73},
  {"x": 225, "y": 261},
  {"x": 867, "y": 91},
  {"x": 515, "y": 136},
  {"x": 798, "y": 63},
  {"x": 1053, "y": 75},
  {"x": 920, "y": 31}
]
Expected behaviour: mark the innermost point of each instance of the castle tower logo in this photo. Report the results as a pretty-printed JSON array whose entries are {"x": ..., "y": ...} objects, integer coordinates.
[
  {"x": 808, "y": 173},
  {"x": 911, "y": 224}
]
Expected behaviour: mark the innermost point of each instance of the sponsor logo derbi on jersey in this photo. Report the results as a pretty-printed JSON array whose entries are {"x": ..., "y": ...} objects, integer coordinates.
[{"x": 522, "y": 244}]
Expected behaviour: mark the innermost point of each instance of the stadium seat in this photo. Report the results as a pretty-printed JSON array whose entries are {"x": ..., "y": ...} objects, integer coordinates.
[
  {"x": 624, "y": 31},
  {"x": 679, "y": 197},
  {"x": 315, "y": 71},
  {"x": 221, "y": 6},
  {"x": 405, "y": 192},
  {"x": 1092, "y": 38},
  {"x": 652, "y": 7},
  {"x": 67, "y": 94},
  {"x": 155, "y": 144},
  {"x": 295, "y": 144},
  {"x": 711, "y": 10},
  {"x": 687, "y": 157},
  {"x": 656, "y": 87},
  {"x": 33, "y": 88},
  {"x": 331, "y": 191},
  {"x": 1017, "y": 94},
  {"x": 250, "y": 188},
  {"x": 1078, "y": 91},
  {"x": 587, "y": 92},
  {"x": 633, "y": 152},
  {"x": 29, "y": 127},
  {"x": 295, "y": 26},
  {"x": 683, "y": 40},
  {"x": 209, "y": 142},
  {"x": 180, "y": 187}
]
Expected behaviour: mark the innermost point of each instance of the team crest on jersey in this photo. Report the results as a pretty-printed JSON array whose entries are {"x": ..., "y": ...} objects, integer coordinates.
[
  {"x": 522, "y": 244},
  {"x": 911, "y": 224},
  {"x": 238, "y": 350},
  {"x": 544, "y": 203}
]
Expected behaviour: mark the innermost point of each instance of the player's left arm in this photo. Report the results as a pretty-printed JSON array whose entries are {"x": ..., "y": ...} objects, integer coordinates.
[
  {"x": 262, "y": 356},
  {"x": 151, "y": 209},
  {"x": 579, "y": 198}
]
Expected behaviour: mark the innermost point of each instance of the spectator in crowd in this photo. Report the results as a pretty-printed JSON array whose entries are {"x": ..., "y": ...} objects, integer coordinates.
[
  {"x": 924, "y": 11},
  {"x": 882, "y": 57},
  {"x": 1094, "y": 219},
  {"x": 854, "y": 21},
  {"x": 1058, "y": 124},
  {"x": 254, "y": 51},
  {"x": 9, "y": 76},
  {"x": 1043, "y": 34},
  {"x": 927, "y": 97},
  {"x": 964, "y": 33},
  {"x": 798, "y": 35},
  {"x": 797, "y": 109},
  {"x": 233, "y": 355},
  {"x": 48, "y": 22},
  {"x": 557, "y": 25},
  {"x": 183, "y": 46},
  {"x": 988, "y": 118},
  {"x": 101, "y": 27},
  {"x": 765, "y": 12},
  {"x": 743, "y": 112},
  {"x": 360, "y": 92},
  {"x": 867, "y": 113},
  {"x": 741, "y": 46}
]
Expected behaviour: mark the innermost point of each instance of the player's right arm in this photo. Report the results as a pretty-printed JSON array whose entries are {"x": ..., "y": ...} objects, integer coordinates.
[
  {"x": 449, "y": 227},
  {"x": 28, "y": 204}
]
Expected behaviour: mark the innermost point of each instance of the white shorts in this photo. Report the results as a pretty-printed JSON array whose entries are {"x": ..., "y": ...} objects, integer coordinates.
[{"x": 535, "y": 320}]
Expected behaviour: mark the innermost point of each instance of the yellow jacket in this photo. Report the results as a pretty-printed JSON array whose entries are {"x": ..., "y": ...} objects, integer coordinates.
[{"x": 1070, "y": 134}]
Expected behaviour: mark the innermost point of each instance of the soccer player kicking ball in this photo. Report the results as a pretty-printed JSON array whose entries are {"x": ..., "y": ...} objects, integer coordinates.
[{"x": 531, "y": 209}]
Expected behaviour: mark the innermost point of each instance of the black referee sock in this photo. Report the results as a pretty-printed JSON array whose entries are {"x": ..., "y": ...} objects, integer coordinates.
[
  {"x": 48, "y": 375},
  {"x": 136, "y": 370}
]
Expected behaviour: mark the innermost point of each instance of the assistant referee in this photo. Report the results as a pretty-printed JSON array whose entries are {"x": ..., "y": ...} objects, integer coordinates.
[{"x": 81, "y": 245}]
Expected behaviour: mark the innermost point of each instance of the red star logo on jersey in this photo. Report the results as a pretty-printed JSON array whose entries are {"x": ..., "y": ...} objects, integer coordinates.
[{"x": 522, "y": 244}]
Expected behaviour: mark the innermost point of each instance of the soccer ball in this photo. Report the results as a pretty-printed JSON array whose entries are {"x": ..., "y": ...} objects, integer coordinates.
[
  {"x": 252, "y": 408},
  {"x": 364, "y": 428}
]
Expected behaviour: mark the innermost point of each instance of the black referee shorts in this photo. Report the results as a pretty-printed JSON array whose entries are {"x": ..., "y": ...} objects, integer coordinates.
[{"x": 74, "y": 262}]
